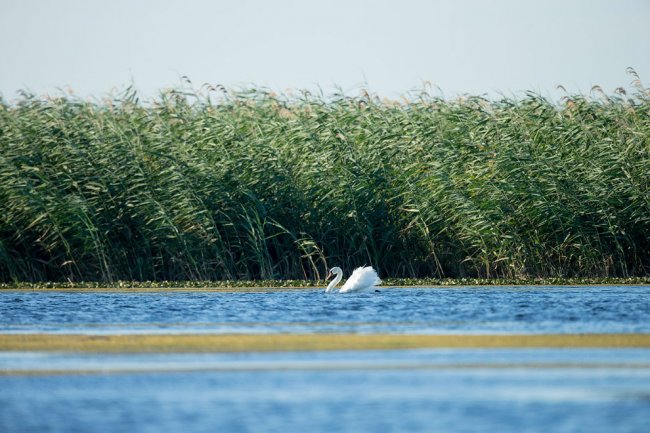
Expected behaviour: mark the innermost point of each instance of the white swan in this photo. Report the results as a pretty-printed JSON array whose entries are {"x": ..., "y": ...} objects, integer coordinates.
[{"x": 362, "y": 279}]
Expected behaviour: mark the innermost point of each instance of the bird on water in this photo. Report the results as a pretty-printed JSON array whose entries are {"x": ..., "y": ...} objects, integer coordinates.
[{"x": 363, "y": 279}]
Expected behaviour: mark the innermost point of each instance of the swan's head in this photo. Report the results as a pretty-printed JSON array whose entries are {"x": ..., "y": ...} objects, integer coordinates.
[{"x": 334, "y": 271}]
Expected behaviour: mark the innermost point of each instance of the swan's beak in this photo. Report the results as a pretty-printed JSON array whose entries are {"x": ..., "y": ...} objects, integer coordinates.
[{"x": 329, "y": 275}]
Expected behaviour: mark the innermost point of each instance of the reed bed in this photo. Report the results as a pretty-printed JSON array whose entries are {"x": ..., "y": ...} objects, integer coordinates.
[{"x": 221, "y": 185}]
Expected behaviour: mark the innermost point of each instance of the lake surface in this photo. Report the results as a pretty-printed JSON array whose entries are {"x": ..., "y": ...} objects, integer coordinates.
[
  {"x": 507, "y": 390},
  {"x": 453, "y": 310},
  {"x": 432, "y": 390}
]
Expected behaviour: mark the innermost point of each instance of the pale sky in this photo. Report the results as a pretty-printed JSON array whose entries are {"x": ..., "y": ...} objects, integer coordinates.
[{"x": 390, "y": 47}]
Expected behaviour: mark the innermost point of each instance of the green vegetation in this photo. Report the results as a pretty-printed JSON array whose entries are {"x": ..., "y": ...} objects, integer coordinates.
[
  {"x": 198, "y": 285},
  {"x": 252, "y": 185}
]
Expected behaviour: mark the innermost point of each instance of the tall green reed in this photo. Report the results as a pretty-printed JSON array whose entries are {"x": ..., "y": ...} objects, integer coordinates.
[{"x": 252, "y": 185}]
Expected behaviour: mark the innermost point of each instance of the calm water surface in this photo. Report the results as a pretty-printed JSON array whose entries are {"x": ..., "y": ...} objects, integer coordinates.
[
  {"x": 433, "y": 390},
  {"x": 403, "y": 391}
]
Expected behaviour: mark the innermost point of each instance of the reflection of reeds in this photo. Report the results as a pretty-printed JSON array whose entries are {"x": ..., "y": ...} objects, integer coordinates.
[{"x": 266, "y": 186}]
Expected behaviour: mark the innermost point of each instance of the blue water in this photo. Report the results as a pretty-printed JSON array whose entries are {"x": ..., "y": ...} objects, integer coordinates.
[
  {"x": 455, "y": 310},
  {"x": 432, "y": 390},
  {"x": 446, "y": 391}
]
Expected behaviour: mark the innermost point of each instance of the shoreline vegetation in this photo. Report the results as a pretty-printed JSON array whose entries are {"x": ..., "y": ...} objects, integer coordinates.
[
  {"x": 138, "y": 343},
  {"x": 216, "y": 185},
  {"x": 387, "y": 283}
]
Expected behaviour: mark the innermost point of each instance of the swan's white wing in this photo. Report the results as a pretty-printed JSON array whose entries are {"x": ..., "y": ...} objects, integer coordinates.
[{"x": 362, "y": 278}]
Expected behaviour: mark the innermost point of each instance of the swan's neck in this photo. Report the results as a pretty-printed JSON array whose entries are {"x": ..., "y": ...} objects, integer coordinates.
[{"x": 334, "y": 282}]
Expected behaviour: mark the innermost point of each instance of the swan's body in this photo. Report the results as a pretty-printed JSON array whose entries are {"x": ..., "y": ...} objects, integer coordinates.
[{"x": 362, "y": 279}]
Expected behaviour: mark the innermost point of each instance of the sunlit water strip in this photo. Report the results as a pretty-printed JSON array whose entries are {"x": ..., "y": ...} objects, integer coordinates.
[
  {"x": 437, "y": 327},
  {"x": 51, "y": 363}
]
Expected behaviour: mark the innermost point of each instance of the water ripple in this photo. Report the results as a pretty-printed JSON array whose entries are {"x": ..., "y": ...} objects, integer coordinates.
[{"x": 608, "y": 309}]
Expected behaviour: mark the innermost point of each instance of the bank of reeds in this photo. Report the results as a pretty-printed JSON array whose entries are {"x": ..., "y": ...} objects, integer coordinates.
[{"x": 250, "y": 185}]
